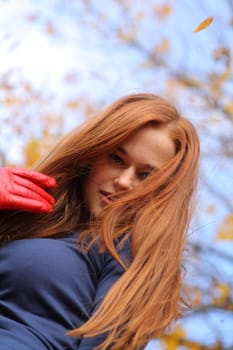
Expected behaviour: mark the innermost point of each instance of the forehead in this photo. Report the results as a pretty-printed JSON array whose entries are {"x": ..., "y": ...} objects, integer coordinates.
[{"x": 150, "y": 146}]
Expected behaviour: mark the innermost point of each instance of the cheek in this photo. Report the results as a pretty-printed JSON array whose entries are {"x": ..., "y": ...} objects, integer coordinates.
[
  {"x": 96, "y": 175},
  {"x": 101, "y": 173}
]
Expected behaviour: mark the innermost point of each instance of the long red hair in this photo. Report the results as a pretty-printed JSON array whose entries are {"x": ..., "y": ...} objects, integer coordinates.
[{"x": 148, "y": 297}]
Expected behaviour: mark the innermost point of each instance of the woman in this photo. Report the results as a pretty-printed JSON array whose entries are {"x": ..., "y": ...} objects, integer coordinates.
[{"x": 109, "y": 273}]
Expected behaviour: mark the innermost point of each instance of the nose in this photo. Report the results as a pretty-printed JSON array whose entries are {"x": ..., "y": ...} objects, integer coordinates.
[{"x": 125, "y": 179}]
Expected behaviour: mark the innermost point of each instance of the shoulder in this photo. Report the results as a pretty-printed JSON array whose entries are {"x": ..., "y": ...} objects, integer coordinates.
[{"x": 55, "y": 253}]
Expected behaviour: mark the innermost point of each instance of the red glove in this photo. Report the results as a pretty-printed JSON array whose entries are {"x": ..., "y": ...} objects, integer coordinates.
[{"x": 22, "y": 190}]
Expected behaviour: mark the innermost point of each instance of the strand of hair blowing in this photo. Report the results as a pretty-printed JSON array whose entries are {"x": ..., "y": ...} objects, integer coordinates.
[{"x": 148, "y": 297}]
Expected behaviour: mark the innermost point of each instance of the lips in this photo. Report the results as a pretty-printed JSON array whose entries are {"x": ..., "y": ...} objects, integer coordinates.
[{"x": 106, "y": 197}]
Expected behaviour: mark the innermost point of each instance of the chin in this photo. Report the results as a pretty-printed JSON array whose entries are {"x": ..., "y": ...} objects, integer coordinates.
[{"x": 95, "y": 212}]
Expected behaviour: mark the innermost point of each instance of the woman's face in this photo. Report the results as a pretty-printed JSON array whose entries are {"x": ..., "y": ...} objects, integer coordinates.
[{"x": 127, "y": 166}]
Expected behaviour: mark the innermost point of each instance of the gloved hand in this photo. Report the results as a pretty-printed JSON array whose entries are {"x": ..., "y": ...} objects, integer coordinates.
[{"x": 23, "y": 190}]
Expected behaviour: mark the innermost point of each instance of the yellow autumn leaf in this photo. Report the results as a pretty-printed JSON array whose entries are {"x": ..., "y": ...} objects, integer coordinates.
[
  {"x": 204, "y": 24},
  {"x": 163, "y": 46},
  {"x": 72, "y": 104},
  {"x": 189, "y": 82},
  {"x": 32, "y": 151},
  {"x": 129, "y": 36},
  {"x": 10, "y": 101},
  {"x": 226, "y": 229},
  {"x": 222, "y": 293},
  {"x": 172, "y": 340},
  {"x": 162, "y": 11},
  {"x": 228, "y": 109},
  {"x": 165, "y": 10}
]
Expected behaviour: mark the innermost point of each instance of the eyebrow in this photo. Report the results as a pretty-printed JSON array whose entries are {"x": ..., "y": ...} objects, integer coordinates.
[{"x": 149, "y": 166}]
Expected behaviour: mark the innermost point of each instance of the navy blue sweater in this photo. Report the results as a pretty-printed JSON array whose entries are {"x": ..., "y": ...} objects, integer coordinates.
[{"x": 47, "y": 286}]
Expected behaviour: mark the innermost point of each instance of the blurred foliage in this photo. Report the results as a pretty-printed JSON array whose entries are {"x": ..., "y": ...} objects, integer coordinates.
[
  {"x": 203, "y": 87},
  {"x": 225, "y": 231}
]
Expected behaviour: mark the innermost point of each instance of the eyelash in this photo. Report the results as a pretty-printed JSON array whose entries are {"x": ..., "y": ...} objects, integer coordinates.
[
  {"x": 119, "y": 161},
  {"x": 143, "y": 175},
  {"x": 116, "y": 159}
]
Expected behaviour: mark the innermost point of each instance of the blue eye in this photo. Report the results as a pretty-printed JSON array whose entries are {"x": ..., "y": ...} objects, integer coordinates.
[{"x": 116, "y": 159}]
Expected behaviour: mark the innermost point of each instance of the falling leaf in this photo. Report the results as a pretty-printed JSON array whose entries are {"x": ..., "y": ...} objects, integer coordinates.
[{"x": 204, "y": 24}]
